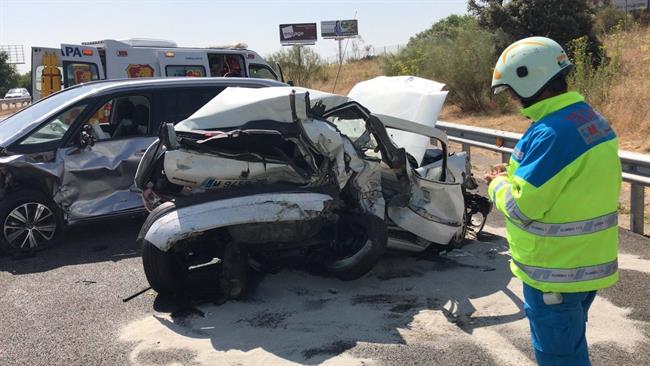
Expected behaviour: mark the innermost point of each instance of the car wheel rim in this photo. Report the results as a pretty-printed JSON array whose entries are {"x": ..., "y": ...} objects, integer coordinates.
[{"x": 29, "y": 225}]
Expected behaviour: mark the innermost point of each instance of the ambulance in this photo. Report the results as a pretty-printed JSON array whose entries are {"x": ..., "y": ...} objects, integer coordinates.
[{"x": 54, "y": 69}]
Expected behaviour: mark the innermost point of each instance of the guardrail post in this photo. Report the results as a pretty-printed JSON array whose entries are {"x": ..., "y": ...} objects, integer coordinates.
[
  {"x": 467, "y": 149},
  {"x": 505, "y": 158},
  {"x": 637, "y": 205}
]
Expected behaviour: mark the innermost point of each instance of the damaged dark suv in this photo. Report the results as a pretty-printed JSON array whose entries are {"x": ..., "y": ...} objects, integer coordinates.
[{"x": 72, "y": 156}]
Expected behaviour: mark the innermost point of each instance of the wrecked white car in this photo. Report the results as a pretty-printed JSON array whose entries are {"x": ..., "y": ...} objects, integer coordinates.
[{"x": 256, "y": 177}]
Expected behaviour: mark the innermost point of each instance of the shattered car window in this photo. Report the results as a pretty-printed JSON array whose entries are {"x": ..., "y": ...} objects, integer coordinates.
[
  {"x": 56, "y": 128},
  {"x": 355, "y": 129}
]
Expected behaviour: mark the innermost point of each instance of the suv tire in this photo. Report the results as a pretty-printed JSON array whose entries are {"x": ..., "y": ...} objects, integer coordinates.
[{"x": 29, "y": 221}]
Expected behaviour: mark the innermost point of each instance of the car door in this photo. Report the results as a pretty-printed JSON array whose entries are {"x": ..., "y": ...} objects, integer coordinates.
[{"x": 99, "y": 178}]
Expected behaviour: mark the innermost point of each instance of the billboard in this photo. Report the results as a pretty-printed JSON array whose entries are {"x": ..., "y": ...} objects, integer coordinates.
[
  {"x": 301, "y": 33},
  {"x": 339, "y": 28}
]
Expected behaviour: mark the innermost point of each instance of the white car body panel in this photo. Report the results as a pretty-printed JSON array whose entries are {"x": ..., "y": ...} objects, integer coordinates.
[
  {"x": 187, "y": 168},
  {"x": 407, "y": 98},
  {"x": 185, "y": 222}
]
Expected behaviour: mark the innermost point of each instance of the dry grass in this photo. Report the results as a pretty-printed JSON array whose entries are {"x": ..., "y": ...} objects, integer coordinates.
[
  {"x": 513, "y": 122},
  {"x": 628, "y": 103},
  {"x": 351, "y": 73}
]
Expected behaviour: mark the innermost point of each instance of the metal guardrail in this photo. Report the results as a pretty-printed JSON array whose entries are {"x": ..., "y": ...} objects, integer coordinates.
[
  {"x": 636, "y": 167},
  {"x": 14, "y": 103}
]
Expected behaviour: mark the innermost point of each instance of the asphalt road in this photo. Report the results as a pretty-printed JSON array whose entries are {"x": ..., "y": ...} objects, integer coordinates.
[{"x": 64, "y": 306}]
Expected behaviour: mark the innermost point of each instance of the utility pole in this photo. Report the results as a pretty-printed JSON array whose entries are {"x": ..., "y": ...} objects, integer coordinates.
[{"x": 299, "y": 64}]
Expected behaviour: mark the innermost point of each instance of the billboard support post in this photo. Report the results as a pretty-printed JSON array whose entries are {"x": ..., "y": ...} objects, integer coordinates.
[
  {"x": 340, "y": 40},
  {"x": 299, "y": 64}
]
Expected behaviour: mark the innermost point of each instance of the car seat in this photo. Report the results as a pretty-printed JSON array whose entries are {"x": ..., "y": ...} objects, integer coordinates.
[
  {"x": 124, "y": 118},
  {"x": 140, "y": 120}
]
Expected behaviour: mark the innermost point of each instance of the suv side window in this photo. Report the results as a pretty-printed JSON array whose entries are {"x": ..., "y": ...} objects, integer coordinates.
[
  {"x": 121, "y": 117},
  {"x": 176, "y": 105},
  {"x": 55, "y": 128}
]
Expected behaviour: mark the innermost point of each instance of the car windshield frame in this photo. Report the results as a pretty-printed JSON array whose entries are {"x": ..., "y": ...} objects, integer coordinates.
[{"x": 23, "y": 121}]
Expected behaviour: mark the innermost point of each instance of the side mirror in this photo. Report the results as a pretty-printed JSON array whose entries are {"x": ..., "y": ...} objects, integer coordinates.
[
  {"x": 290, "y": 83},
  {"x": 167, "y": 136},
  {"x": 86, "y": 137}
]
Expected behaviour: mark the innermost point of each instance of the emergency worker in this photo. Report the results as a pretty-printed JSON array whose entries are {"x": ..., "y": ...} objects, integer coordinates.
[{"x": 559, "y": 194}]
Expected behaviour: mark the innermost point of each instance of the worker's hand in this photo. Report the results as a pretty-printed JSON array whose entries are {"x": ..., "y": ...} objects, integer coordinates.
[
  {"x": 495, "y": 171},
  {"x": 499, "y": 168}
]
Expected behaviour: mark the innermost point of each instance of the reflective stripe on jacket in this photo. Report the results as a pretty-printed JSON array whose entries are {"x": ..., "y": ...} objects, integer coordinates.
[{"x": 560, "y": 198}]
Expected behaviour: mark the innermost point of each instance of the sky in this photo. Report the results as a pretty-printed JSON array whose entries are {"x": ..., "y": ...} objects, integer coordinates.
[{"x": 202, "y": 23}]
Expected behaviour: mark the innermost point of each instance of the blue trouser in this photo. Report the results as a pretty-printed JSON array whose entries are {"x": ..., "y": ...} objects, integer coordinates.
[{"x": 558, "y": 331}]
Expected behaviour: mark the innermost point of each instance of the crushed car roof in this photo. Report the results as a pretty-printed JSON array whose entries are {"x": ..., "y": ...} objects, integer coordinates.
[{"x": 405, "y": 103}]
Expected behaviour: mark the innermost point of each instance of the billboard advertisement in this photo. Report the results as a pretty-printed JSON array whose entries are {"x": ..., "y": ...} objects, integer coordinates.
[
  {"x": 339, "y": 28},
  {"x": 301, "y": 33}
]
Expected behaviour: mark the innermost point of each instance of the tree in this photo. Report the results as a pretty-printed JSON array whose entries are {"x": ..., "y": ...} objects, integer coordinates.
[
  {"x": 299, "y": 64},
  {"x": 25, "y": 81},
  {"x": 560, "y": 20},
  {"x": 8, "y": 74},
  {"x": 446, "y": 28}
]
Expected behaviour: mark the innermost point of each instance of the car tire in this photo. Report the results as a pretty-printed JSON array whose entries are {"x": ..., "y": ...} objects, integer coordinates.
[
  {"x": 354, "y": 230},
  {"x": 29, "y": 222},
  {"x": 163, "y": 271}
]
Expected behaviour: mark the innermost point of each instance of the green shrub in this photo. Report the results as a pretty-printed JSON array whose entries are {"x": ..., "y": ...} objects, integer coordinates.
[
  {"x": 594, "y": 82},
  {"x": 302, "y": 65},
  {"x": 611, "y": 19},
  {"x": 462, "y": 56}
]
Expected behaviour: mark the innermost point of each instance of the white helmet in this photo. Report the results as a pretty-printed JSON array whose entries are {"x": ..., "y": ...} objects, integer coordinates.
[{"x": 528, "y": 66}]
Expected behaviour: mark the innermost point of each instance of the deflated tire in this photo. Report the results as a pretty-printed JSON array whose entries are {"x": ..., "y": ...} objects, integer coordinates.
[
  {"x": 361, "y": 242},
  {"x": 163, "y": 271}
]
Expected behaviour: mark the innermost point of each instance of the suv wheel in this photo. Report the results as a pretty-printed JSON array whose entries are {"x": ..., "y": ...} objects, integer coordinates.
[{"x": 29, "y": 222}]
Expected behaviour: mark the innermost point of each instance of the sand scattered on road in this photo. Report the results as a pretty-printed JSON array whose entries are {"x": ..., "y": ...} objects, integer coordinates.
[{"x": 296, "y": 318}]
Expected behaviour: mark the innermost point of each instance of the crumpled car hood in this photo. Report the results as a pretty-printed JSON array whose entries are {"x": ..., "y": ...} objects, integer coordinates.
[{"x": 236, "y": 106}]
